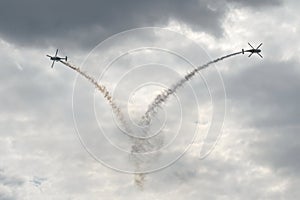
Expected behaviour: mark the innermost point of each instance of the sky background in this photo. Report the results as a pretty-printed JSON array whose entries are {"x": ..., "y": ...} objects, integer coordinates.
[{"x": 256, "y": 152}]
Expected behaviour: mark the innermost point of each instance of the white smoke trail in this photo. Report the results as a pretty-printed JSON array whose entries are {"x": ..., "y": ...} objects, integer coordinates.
[
  {"x": 161, "y": 98},
  {"x": 106, "y": 94},
  {"x": 139, "y": 145}
]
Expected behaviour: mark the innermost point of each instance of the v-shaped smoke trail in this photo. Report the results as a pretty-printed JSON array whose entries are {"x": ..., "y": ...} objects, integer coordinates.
[{"x": 144, "y": 145}]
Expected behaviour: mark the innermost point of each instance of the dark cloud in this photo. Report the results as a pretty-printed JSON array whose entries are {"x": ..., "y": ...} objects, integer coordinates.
[
  {"x": 257, "y": 3},
  {"x": 85, "y": 23},
  {"x": 40, "y": 22}
]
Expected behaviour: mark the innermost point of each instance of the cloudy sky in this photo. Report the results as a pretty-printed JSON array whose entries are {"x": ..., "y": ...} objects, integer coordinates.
[{"x": 232, "y": 132}]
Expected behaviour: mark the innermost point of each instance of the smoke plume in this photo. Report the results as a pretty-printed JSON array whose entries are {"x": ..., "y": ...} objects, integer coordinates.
[
  {"x": 139, "y": 145},
  {"x": 164, "y": 95},
  {"x": 159, "y": 100},
  {"x": 105, "y": 92}
]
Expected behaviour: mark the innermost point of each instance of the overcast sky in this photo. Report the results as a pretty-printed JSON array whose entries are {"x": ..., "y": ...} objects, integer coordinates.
[{"x": 232, "y": 132}]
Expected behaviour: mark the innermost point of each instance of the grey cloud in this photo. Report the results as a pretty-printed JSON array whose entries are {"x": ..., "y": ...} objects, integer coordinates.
[
  {"x": 84, "y": 24},
  {"x": 10, "y": 180},
  {"x": 8, "y": 185},
  {"x": 42, "y": 22},
  {"x": 280, "y": 151},
  {"x": 37, "y": 181},
  {"x": 257, "y": 3},
  {"x": 215, "y": 177},
  {"x": 6, "y": 196},
  {"x": 264, "y": 98},
  {"x": 270, "y": 87}
]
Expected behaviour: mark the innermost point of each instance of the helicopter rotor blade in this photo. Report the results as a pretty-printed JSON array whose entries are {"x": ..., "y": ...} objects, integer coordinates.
[
  {"x": 56, "y": 52},
  {"x": 260, "y": 55},
  {"x": 250, "y": 45},
  {"x": 259, "y": 46},
  {"x": 52, "y": 64}
]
